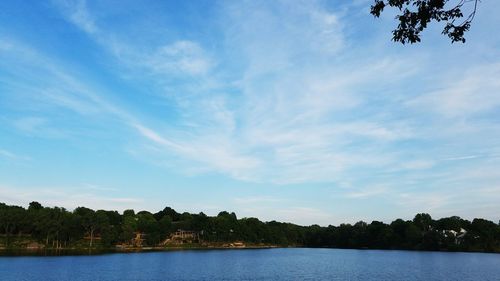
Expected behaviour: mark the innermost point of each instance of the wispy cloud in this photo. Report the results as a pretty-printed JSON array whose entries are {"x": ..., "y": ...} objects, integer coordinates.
[
  {"x": 77, "y": 12},
  {"x": 368, "y": 192},
  {"x": 466, "y": 157},
  {"x": 257, "y": 200},
  {"x": 291, "y": 120},
  {"x": 301, "y": 215},
  {"x": 64, "y": 197},
  {"x": 185, "y": 57},
  {"x": 9, "y": 155},
  {"x": 270, "y": 93},
  {"x": 465, "y": 93},
  {"x": 98, "y": 187},
  {"x": 39, "y": 127}
]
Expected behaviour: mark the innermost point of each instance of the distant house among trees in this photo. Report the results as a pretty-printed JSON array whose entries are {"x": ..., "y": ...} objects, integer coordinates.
[
  {"x": 457, "y": 235},
  {"x": 182, "y": 237},
  {"x": 138, "y": 240}
]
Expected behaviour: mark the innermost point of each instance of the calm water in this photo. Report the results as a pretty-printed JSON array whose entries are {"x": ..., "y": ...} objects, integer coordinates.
[{"x": 266, "y": 264}]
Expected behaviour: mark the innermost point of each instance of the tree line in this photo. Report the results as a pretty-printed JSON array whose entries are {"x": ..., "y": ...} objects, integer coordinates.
[{"x": 57, "y": 227}]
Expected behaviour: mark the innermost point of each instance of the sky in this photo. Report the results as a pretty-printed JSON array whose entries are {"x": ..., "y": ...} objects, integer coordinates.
[{"x": 296, "y": 111}]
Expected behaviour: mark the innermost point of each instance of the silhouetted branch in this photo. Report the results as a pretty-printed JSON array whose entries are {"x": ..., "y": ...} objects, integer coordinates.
[{"x": 417, "y": 14}]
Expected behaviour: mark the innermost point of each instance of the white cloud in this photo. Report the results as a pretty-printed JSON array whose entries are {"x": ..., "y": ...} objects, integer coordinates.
[
  {"x": 418, "y": 164},
  {"x": 295, "y": 117},
  {"x": 473, "y": 91},
  {"x": 183, "y": 56},
  {"x": 98, "y": 187},
  {"x": 77, "y": 13},
  {"x": 367, "y": 192},
  {"x": 280, "y": 94},
  {"x": 30, "y": 124},
  {"x": 300, "y": 215},
  {"x": 467, "y": 202},
  {"x": 283, "y": 128},
  {"x": 305, "y": 215},
  {"x": 66, "y": 197},
  {"x": 457, "y": 158},
  {"x": 39, "y": 127},
  {"x": 7, "y": 154},
  {"x": 156, "y": 138},
  {"x": 257, "y": 200}
]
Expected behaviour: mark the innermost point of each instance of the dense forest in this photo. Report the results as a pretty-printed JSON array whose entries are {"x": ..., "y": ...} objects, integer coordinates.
[{"x": 85, "y": 228}]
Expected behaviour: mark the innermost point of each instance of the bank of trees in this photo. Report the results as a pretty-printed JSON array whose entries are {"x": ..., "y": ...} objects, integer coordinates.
[{"x": 86, "y": 228}]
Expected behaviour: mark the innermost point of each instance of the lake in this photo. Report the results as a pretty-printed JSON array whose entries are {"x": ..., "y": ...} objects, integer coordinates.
[{"x": 261, "y": 264}]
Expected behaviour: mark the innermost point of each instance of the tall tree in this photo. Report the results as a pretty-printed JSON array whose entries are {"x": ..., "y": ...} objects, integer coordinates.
[{"x": 89, "y": 221}]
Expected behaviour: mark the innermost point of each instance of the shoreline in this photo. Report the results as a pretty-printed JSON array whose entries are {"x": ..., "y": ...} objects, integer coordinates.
[
  {"x": 92, "y": 252},
  {"x": 13, "y": 252},
  {"x": 50, "y": 252}
]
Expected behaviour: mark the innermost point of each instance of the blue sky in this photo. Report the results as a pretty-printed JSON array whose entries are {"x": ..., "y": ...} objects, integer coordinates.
[{"x": 287, "y": 110}]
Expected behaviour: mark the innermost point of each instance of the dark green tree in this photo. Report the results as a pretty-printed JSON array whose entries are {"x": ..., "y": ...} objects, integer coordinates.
[
  {"x": 89, "y": 221},
  {"x": 147, "y": 224},
  {"x": 11, "y": 220},
  {"x": 423, "y": 221},
  {"x": 129, "y": 225}
]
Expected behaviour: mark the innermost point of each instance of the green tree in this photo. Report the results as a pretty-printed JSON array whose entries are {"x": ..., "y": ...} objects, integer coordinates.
[
  {"x": 147, "y": 224},
  {"x": 129, "y": 225},
  {"x": 167, "y": 211},
  {"x": 11, "y": 220},
  {"x": 484, "y": 233},
  {"x": 423, "y": 221},
  {"x": 89, "y": 221},
  {"x": 165, "y": 227},
  {"x": 35, "y": 206}
]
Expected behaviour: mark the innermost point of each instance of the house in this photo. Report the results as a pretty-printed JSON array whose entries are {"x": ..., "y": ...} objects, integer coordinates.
[
  {"x": 238, "y": 244},
  {"x": 182, "y": 236},
  {"x": 138, "y": 240},
  {"x": 458, "y": 235}
]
